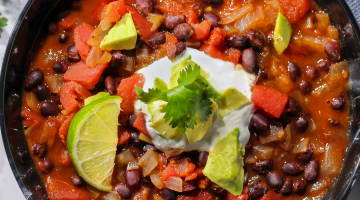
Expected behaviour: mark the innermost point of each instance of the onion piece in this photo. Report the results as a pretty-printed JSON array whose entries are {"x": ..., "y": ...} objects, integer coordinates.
[
  {"x": 302, "y": 146},
  {"x": 333, "y": 32},
  {"x": 105, "y": 57},
  {"x": 250, "y": 158},
  {"x": 48, "y": 133},
  {"x": 262, "y": 152},
  {"x": 230, "y": 29},
  {"x": 145, "y": 138},
  {"x": 250, "y": 20},
  {"x": 121, "y": 175},
  {"x": 132, "y": 165},
  {"x": 157, "y": 197},
  {"x": 174, "y": 183},
  {"x": 143, "y": 58},
  {"x": 156, "y": 180},
  {"x": 111, "y": 196},
  {"x": 323, "y": 19},
  {"x": 32, "y": 102},
  {"x": 94, "y": 56},
  {"x": 148, "y": 162},
  {"x": 156, "y": 20},
  {"x": 124, "y": 158},
  {"x": 54, "y": 82},
  {"x": 287, "y": 141},
  {"x": 330, "y": 164},
  {"x": 94, "y": 193},
  {"x": 276, "y": 133},
  {"x": 238, "y": 13}
]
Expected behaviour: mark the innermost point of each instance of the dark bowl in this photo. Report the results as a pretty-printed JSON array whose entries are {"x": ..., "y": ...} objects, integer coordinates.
[{"x": 21, "y": 50}]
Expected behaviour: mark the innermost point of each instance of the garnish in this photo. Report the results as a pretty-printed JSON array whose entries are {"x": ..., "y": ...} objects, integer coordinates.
[
  {"x": 191, "y": 99},
  {"x": 3, "y": 22}
]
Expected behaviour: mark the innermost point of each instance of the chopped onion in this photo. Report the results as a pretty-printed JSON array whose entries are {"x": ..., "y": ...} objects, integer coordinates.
[
  {"x": 309, "y": 23},
  {"x": 276, "y": 133},
  {"x": 302, "y": 146},
  {"x": 156, "y": 20},
  {"x": 156, "y": 180},
  {"x": 262, "y": 152},
  {"x": 132, "y": 165},
  {"x": 128, "y": 65},
  {"x": 121, "y": 175},
  {"x": 111, "y": 196},
  {"x": 250, "y": 158},
  {"x": 142, "y": 194},
  {"x": 148, "y": 162},
  {"x": 124, "y": 158},
  {"x": 330, "y": 164},
  {"x": 333, "y": 32},
  {"x": 249, "y": 20},
  {"x": 143, "y": 58},
  {"x": 145, "y": 138},
  {"x": 238, "y": 13},
  {"x": 315, "y": 43},
  {"x": 54, "y": 82},
  {"x": 105, "y": 57},
  {"x": 94, "y": 193},
  {"x": 230, "y": 29},
  {"x": 174, "y": 183},
  {"x": 93, "y": 57},
  {"x": 99, "y": 33},
  {"x": 48, "y": 133},
  {"x": 319, "y": 185},
  {"x": 287, "y": 141},
  {"x": 323, "y": 19},
  {"x": 32, "y": 102},
  {"x": 157, "y": 197}
]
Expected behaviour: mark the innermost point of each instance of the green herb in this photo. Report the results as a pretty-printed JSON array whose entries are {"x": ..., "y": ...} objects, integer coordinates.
[
  {"x": 190, "y": 100},
  {"x": 3, "y": 22}
]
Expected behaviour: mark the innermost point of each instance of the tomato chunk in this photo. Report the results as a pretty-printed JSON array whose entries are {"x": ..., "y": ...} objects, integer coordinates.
[
  {"x": 30, "y": 117},
  {"x": 140, "y": 124},
  {"x": 60, "y": 190},
  {"x": 202, "y": 30},
  {"x": 270, "y": 100},
  {"x": 191, "y": 17},
  {"x": 64, "y": 128},
  {"x": 294, "y": 10},
  {"x": 126, "y": 91},
  {"x": 70, "y": 93},
  {"x": 141, "y": 23},
  {"x": 82, "y": 34}
]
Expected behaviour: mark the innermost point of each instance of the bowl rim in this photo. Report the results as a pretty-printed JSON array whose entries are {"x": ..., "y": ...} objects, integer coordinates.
[{"x": 27, "y": 195}]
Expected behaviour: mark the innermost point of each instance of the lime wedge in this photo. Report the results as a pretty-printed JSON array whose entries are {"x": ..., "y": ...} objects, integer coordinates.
[{"x": 92, "y": 141}]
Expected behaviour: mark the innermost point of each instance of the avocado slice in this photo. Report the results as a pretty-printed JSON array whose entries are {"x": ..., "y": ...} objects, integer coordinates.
[
  {"x": 225, "y": 163},
  {"x": 232, "y": 100},
  {"x": 282, "y": 34},
  {"x": 160, "y": 84},
  {"x": 122, "y": 36},
  {"x": 159, "y": 124}
]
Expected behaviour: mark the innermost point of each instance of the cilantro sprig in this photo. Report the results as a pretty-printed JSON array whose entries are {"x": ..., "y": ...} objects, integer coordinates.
[
  {"x": 3, "y": 22},
  {"x": 190, "y": 100}
]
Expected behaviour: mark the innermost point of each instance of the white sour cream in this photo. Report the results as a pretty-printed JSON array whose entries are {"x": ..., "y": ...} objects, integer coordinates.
[{"x": 223, "y": 75}]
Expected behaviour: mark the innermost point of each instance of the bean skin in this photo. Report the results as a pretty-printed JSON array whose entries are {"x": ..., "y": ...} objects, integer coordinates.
[
  {"x": 248, "y": 60},
  {"x": 311, "y": 171},
  {"x": 135, "y": 138},
  {"x": 257, "y": 190},
  {"x": 274, "y": 179},
  {"x": 133, "y": 177},
  {"x": 294, "y": 70},
  {"x": 238, "y": 41},
  {"x": 131, "y": 120},
  {"x": 263, "y": 166},
  {"x": 73, "y": 54},
  {"x": 60, "y": 67},
  {"x": 294, "y": 107},
  {"x": 167, "y": 194},
  {"x": 180, "y": 48},
  {"x": 39, "y": 150},
  {"x": 116, "y": 60},
  {"x": 49, "y": 109},
  {"x": 287, "y": 187},
  {"x": 183, "y": 31},
  {"x": 144, "y": 6},
  {"x": 63, "y": 37},
  {"x": 259, "y": 121},
  {"x": 305, "y": 87},
  {"x": 213, "y": 2},
  {"x": 42, "y": 92},
  {"x": 312, "y": 72},
  {"x": 301, "y": 124},
  {"x": 33, "y": 79},
  {"x": 292, "y": 168},
  {"x": 324, "y": 65},
  {"x": 171, "y": 21},
  {"x": 299, "y": 186},
  {"x": 136, "y": 152},
  {"x": 256, "y": 39},
  {"x": 76, "y": 180},
  {"x": 189, "y": 186},
  {"x": 216, "y": 189},
  {"x": 333, "y": 51},
  {"x": 202, "y": 158},
  {"x": 123, "y": 191},
  {"x": 304, "y": 157},
  {"x": 338, "y": 103},
  {"x": 110, "y": 85},
  {"x": 157, "y": 39},
  {"x": 46, "y": 165},
  {"x": 249, "y": 144},
  {"x": 213, "y": 19}
]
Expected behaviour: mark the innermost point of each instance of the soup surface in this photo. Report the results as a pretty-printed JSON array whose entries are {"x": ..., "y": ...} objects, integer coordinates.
[{"x": 270, "y": 72}]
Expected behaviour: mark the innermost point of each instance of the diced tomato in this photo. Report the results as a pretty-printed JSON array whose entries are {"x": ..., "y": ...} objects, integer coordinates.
[
  {"x": 143, "y": 194},
  {"x": 120, "y": 7},
  {"x": 217, "y": 37},
  {"x": 126, "y": 91},
  {"x": 191, "y": 17},
  {"x": 84, "y": 74},
  {"x": 192, "y": 176},
  {"x": 101, "y": 7},
  {"x": 197, "y": 195},
  {"x": 30, "y": 117},
  {"x": 202, "y": 30},
  {"x": 64, "y": 128},
  {"x": 270, "y": 100},
  {"x": 140, "y": 124},
  {"x": 171, "y": 46},
  {"x": 169, "y": 6},
  {"x": 82, "y": 34},
  {"x": 212, "y": 51},
  {"x": 70, "y": 93},
  {"x": 293, "y": 49},
  {"x": 60, "y": 190},
  {"x": 270, "y": 195},
  {"x": 161, "y": 164},
  {"x": 68, "y": 22},
  {"x": 243, "y": 196},
  {"x": 124, "y": 136},
  {"x": 167, "y": 173},
  {"x": 65, "y": 159},
  {"x": 141, "y": 23},
  {"x": 233, "y": 55},
  {"x": 294, "y": 10}
]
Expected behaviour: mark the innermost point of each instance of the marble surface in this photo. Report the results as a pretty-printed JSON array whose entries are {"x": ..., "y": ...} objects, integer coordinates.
[{"x": 9, "y": 189}]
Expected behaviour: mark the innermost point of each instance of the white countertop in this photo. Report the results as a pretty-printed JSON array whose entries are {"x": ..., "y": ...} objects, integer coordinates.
[{"x": 9, "y": 189}]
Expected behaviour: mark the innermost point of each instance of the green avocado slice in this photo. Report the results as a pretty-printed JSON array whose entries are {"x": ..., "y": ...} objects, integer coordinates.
[
  {"x": 225, "y": 163},
  {"x": 282, "y": 34}
]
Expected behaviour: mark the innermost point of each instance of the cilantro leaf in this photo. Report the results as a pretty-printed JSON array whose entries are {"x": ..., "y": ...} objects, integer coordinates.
[
  {"x": 200, "y": 108},
  {"x": 151, "y": 96},
  {"x": 3, "y": 22}
]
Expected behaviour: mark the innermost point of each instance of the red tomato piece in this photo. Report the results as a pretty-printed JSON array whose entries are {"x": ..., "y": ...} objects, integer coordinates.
[
  {"x": 294, "y": 10},
  {"x": 124, "y": 136},
  {"x": 60, "y": 190},
  {"x": 140, "y": 124},
  {"x": 141, "y": 23},
  {"x": 70, "y": 93},
  {"x": 82, "y": 34},
  {"x": 30, "y": 117},
  {"x": 191, "y": 17},
  {"x": 242, "y": 196},
  {"x": 202, "y": 30},
  {"x": 126, "y": 91},
  {"x": 233, "y": 55},
  {"x": 64, "y": 128}
]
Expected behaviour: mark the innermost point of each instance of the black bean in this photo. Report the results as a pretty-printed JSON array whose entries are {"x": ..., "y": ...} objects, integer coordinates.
[
  {"x": 333, "y": 51},
  {"x": 213, "y": 2},
  {"x": 131, "y": 120},
  {"x": 304, "y": 157},
  {"x": 110, "y": 85},
  {"x": 56, "y": 99},
  {"x": 136, "y": 152},
  {"x": 287, "y": 187},
  {"x": 192, "y": 43},
  {"x": 338, "y": 103},
  {"x": 213, "y": 19},
  {"x": 73, "y": 54},
  {"x": 135, "y": 138},
  {"x": 63, "y": 37},
  {"x": 123, "y": 191},
  {"x": 76, "y": 180},
  {"x": 53, "y": 28},
  {"x": 180, "y": 48},
  {"x": 294, "y": 107},
  {"x": 274, "y": 179},
  {"x": 257, "y": 190},
  {"x": 157, "y": 39},
  {"x": 116, "y": 60},
  {"x": 76, "y": 5},
  {"x": 60, "y": 67},
  {"x": 299, "y": 186},
  {"x": 238, "y": 41},
  {"x": 43, "y": 92},
  {"x": 269, "y": 38},
  {"x": 202, "y": 158},
  {"x": 311, "y": 170},
  {"x": 39, "y": 150},
  {"x": 49, "y": 109},
  {"x": 167, "y": 194},
  {"x": 144, "y": 6},
  {"x": 311, "y": 72},
  {"x": 301, "y": 124},
  {"x": 256, "y": 39},
  {"x": 33, "y": 79},
  {"x": 216, "y": 189},
  {"x": 294, "y": 70},
  {"x": 305, "y": 87},
  {"x": 189, "y": 186},
  {"x": 292, "y": 168},
  {"x": 138, "y": 42},
  {"x": 149, "y": 147},
  {"x": 133, "y": 177},
  {"x": 248, "y": 60},
  {"x": 183, "y": 31},
  {"x": 259, "y": 121},
  {"x": 263, "y": 166},
  {"x": 249, "y": 144},
  {"x": 324, "y": 65},
  {"x": 46, "y": 165},
  {"x": 171, "y": 21}
]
